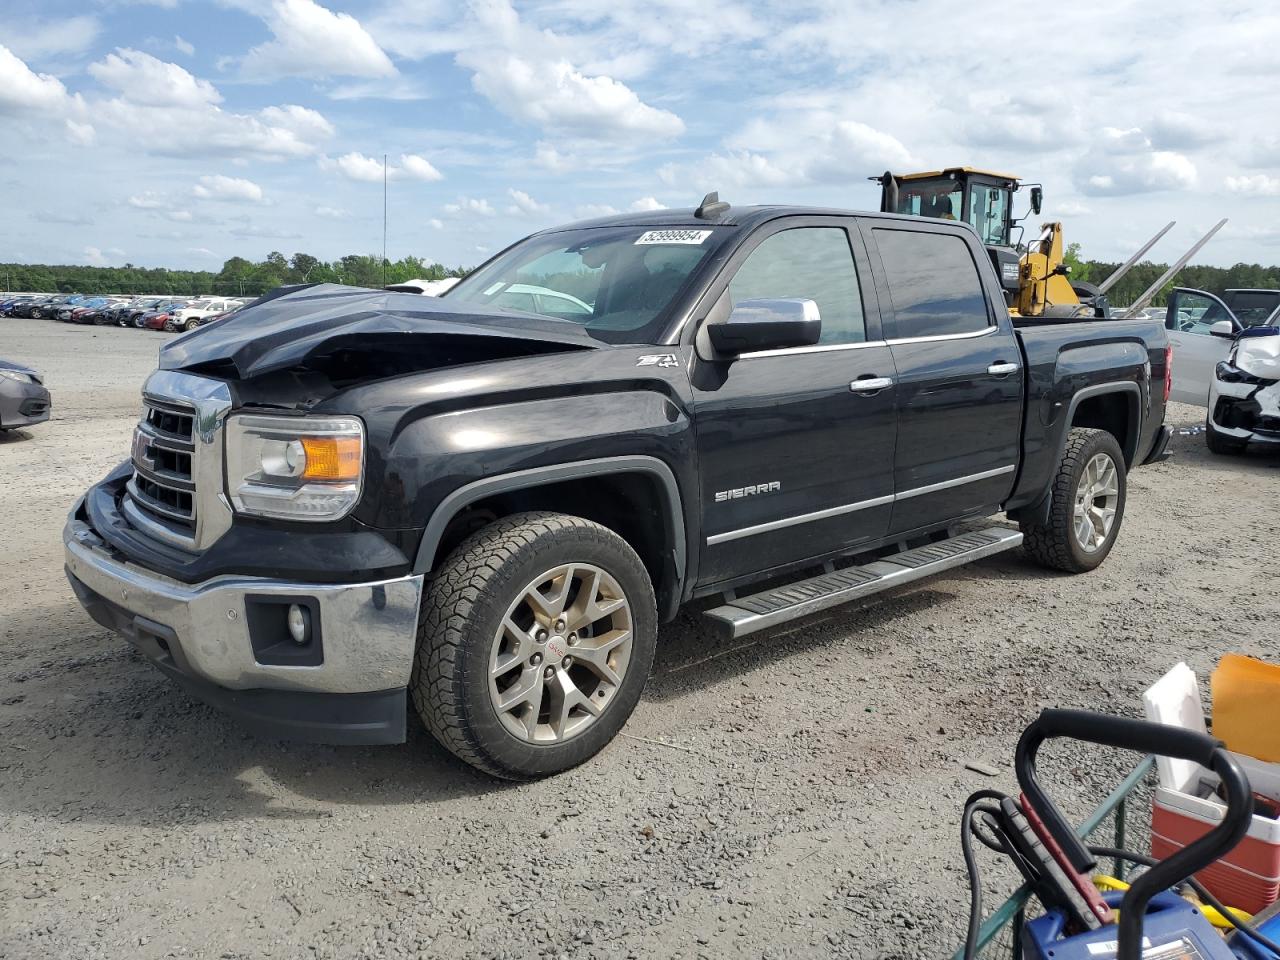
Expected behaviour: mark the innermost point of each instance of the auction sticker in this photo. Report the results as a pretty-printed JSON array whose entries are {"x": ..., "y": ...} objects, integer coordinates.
[{"x": 672, "y": 236}]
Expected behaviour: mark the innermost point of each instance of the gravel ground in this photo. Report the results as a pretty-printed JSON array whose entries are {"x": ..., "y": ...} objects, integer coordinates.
[{"x": 796, "y": 795}]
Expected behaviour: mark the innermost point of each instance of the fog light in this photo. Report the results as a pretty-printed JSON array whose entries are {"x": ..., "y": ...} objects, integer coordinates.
[{"x": 299, "y": 623}]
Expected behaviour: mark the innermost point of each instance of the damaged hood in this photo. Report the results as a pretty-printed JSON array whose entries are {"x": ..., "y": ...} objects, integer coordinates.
[
  {"x": 1258, "y": 352},
  {"x": 286, "y": 329}
]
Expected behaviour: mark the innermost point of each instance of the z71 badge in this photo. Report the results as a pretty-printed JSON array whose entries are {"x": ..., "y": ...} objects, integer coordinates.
[{"x": 658, "y": 360}]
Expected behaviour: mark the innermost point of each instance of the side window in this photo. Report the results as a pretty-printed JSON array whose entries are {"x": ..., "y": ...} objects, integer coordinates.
[
  {"x": 810, "y": 262},
  {"x": 933, "y": 282},
  {"x": 1192, "y": 312}
]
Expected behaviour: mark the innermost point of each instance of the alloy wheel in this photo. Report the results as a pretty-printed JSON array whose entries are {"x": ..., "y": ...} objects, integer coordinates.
[
  {"x": 560, "y": 654},
  {"x": 1097, "y": 497}
]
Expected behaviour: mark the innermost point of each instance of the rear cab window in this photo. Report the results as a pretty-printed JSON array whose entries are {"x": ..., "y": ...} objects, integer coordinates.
[{"x": 934, "y": 284}]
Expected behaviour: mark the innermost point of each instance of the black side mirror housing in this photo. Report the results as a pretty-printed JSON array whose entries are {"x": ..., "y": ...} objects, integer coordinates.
[
  {"x": 766, "y": 325},
  {"x": 1037, "y": 199}
]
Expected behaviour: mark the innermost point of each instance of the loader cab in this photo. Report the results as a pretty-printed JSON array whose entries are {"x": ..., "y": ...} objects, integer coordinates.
[{"x": 982, "y": 199}]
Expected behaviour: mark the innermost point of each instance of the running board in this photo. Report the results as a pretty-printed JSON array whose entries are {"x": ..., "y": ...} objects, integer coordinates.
[{"x": 746, "y": 615}]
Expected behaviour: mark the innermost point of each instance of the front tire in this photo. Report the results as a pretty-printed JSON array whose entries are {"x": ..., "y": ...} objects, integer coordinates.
[
  {"x": 1221, "y": 443},
  {"x": 1086, "y": 507},
  {"x": 534, "y": 644}
]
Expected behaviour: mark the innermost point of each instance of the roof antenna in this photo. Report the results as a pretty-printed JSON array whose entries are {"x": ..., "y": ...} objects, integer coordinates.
[{"x": 711, "y": 207}]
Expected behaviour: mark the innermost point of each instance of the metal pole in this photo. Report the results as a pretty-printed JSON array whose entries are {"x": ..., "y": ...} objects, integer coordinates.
[
  {"x": 1152, "y": 290},
  {"x": 1125, "y": 267},
  {"x": 384, "y": 219}
]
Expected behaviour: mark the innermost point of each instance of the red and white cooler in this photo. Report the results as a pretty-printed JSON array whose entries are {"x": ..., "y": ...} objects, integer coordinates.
[{"x": 1249, "y": 876}]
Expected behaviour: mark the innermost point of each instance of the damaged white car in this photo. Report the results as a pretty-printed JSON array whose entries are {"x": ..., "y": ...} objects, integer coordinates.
[
  {"x": 1202, "y": 331},
  {"x": 1244, "y": 396}
]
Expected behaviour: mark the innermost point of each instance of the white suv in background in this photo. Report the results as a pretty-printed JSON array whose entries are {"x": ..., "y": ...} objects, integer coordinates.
[{"x": 189, "y": 317}]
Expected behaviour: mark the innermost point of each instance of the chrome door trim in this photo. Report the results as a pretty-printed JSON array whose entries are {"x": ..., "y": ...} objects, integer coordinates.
[
  {"x": 945, "y": 336},
  {"x": 853, "y": 507},
  {"x": 821, "y": 348},
  {"x": 802, "y": 518},
  {"x": 1002, "y": 369},
  {"x": 957, "y": 482}
]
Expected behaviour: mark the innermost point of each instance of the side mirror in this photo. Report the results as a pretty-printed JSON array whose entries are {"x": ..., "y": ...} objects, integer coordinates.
[
  {"x": 767, "y": 325},
  {"x": 1223, "y": 328},
  {"x": 1037, "y": 198}
]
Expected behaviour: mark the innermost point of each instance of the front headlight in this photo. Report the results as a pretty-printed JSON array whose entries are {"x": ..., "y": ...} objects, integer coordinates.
[
  {"x": 295, "y": 468},
  {"x": 15, "y": 375}
]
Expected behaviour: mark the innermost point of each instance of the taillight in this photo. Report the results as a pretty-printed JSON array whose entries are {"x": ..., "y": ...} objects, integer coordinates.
[{"x": 1168, "y": 372}]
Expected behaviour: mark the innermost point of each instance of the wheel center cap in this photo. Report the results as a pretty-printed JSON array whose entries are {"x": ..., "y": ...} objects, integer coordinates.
[{"x": 556, "y": 649}]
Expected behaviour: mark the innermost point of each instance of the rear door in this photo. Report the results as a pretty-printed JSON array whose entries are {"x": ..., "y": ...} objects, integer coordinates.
[
  {"x": 796, "y": 458},
  {"x": 1188, "y": 317},
  {"x": 960, "y": 375}
]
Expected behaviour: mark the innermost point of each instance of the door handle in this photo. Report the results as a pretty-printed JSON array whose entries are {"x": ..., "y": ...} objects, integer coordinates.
[
  {"x": 870, "y": 384},
  {"x": 1002, "y": 369}
]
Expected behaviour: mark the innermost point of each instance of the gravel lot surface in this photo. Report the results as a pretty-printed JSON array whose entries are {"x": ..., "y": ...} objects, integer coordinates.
[{"x": 795, "y": 795}]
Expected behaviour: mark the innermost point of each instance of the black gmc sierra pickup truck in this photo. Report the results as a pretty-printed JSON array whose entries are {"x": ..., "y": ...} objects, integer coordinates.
[{"x": 339, "y": 499}]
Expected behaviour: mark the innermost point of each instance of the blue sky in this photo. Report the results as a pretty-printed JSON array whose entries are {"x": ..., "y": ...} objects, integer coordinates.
[{"x": 180, "y": 133}]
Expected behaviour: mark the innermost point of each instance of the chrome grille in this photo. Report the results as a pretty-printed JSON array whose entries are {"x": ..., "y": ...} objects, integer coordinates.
[
  {"x": 163, "y": 484},
  {"x": 175, "y": 493}
]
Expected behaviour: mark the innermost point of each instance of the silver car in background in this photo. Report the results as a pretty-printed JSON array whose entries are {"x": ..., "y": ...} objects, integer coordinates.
[{"x": 24, "y": 401}]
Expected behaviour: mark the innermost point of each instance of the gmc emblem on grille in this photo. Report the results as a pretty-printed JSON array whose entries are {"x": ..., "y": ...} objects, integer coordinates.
[{"x": 142, "y": 450}]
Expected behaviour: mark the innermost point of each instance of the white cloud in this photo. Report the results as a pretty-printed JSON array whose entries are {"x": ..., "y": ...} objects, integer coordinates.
[
  {"x": 356, "y": 166},
  {"x": 414, "y": 167},
  {"x": 1173, "y": 130},
  {"x": 218, "y": 187},
  {"x": 257, "y": 230},
  {"x": 435, "y": 223},
  {"x": 21, "y": 89},
  {"x": 143, "y": 79},
  {"x": 313, "y": 41},
  {"x": 525, "y": 204},
  {"x": 796, "y": 147},
  {"x": 102, "y": 258},
  {"x": 331, "y": 213},
  {"x": 273, "y": 133},
  {"x": 181, "y": 216},
  {"x": 81, "y": 134},
  {"x": 184, "y": 46},
  {"x": 646, "y": 204},
  {"x": 519, "y": 70},
  {"x": 201, "y": 251},
  {"x": 591, "y": 210},
  {"x": 45, "y": 40},
  {"x": 470, "y": 205},
  {"x": 1260, "y": 185},
  {"x": 1123, "y": 162},
  {"x": 147, "y": 201}
]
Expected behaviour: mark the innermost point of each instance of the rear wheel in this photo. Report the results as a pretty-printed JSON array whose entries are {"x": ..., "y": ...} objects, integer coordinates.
[
  {"x": 1221, "y": 443},
  {"x": 534, "y": 645},
  {"x": 1086, "y": 506}
]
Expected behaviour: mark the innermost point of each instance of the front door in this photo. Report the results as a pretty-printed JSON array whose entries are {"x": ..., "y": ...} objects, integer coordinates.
[
  {"x": 797, "y": 462},
  {"x": 1188, "y": 317},
  {"x": 960, "y": 377}
]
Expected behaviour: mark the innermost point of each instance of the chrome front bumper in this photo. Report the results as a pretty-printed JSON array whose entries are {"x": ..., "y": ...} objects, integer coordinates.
[{"x": 368, "y": 630}]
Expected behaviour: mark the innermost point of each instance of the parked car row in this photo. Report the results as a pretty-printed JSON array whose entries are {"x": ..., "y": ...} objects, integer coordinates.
[{"x": 153, "y": 313}]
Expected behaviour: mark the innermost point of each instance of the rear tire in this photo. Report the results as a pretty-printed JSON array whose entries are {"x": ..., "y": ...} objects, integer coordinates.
[
  {"x": 1087, "y": 497},
  {"x": 1222, "y": 444},
  {"x": 506, "y": 683}
]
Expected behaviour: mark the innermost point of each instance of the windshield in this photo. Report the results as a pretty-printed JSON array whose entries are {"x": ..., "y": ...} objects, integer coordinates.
[
  {"x": 618, "y": 282},
  {"x": 1253, "y": 307}
]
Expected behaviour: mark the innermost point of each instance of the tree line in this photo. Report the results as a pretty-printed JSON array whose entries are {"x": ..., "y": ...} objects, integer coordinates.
[
  {"x": 238, "y": 276},
  {"x": 1143, "y": 275}
]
